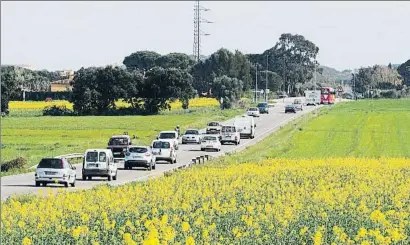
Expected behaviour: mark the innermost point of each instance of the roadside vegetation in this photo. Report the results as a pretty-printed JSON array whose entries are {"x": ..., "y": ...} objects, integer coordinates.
[{"x": 281, "y": 191}]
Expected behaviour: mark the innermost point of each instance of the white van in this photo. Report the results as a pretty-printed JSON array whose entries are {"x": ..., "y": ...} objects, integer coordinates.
[
  {"x": 164, "y": 151},
  {"x": 99, "y": 163},
  {"x": 245, "y": 125},
  {"x": 171, "y": 136}
]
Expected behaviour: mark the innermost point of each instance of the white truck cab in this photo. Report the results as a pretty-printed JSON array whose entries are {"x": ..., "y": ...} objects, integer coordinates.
[
  {"x": 245, "y": 125},
  {"x": 99, "y": 163}
]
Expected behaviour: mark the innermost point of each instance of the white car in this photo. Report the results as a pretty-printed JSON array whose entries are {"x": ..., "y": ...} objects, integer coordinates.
[
  {"x": 55, "y": 170},
  {"x": 139, "y": 156},
  {"x": 99, "y": 163},
  {"x": 210, "y": 142},
  {"x": 253, "y": 112},
  {"x": 169, "y": 135},
  {"x": 213, "y": 128},
  {"x": 192, "y": 136},
  {"x": 229, "y": 134},
  {"x": 164, "y": 151}
]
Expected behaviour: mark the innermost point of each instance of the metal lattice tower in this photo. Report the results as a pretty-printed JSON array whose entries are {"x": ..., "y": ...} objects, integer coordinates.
[{"x": 198, "y": 20}]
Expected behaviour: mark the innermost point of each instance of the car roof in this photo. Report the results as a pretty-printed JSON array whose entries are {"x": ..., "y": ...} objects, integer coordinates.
[
  {"x": 171, "y": 131},
  {"x": 167, "y": 140},
  {"x": 139, "y": 146},
  {"x": 88, "y": 150},
  {"x": 120, "y": 136}
]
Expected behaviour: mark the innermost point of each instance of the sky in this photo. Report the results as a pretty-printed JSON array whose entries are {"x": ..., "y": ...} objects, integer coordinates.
[{"x": 70, "y": 35}]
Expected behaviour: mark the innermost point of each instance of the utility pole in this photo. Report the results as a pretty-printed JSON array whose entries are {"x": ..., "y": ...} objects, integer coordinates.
[
  {"x": 198, "y": 20},
  {"x": 256, "y": 82},
  {"x": 315, "y": 78},
  {"x": 354, "y": 84},
  {"x": 266, "y": 83}
]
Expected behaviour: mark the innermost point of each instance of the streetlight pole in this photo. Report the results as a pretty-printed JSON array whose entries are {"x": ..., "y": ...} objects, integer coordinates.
[
  {"x": 266, "y": 83},
  {"x": 256, "y": 82}
]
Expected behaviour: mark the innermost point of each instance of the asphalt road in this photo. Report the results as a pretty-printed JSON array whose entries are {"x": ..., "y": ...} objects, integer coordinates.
[{"x": 265, "y": 124}]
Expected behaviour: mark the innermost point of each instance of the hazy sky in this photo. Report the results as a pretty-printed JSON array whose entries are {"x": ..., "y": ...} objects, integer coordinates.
[{"x": 57, "y": 35}]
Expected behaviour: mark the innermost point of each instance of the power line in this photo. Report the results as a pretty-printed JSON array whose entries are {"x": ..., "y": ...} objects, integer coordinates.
[{"x": 198, "y": 20}]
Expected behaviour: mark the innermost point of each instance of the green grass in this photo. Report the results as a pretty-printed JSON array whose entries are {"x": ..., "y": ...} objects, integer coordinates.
[
  {"x": 37, "y": 137},
  {"x": 368, "y": 128}
]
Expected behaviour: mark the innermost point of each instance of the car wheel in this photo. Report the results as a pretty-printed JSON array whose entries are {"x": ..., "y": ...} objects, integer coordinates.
[
  {"x": 66, "y": 184},
  {"x": 37, "y": 183},
  {"x": 150, "y": 166},
  {"x": 73, "y": 184},
  {"x": 175, "y": 160},
  {"x": 115, "y": 176},
  {"x": 44, "y": 184},
  {"x": 109, "y": 177},
  {"x": 202, "y": 149},
  {"x": 90, "y": 177},
  {"x": 84, "y": 177},
  {"x": 154, "y": 166}
]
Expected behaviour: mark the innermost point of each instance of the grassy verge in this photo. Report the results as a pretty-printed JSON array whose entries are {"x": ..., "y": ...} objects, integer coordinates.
[{"x": 37, "y": 137}]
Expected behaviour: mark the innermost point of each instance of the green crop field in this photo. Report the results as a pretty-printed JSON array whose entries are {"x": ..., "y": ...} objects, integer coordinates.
[
  {"x": 369, "y": 128},
  {"x": 37, "y": 137}
]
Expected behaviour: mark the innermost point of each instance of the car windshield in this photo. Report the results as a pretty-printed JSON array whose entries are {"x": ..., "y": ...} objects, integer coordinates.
[
  {"x": 262, "y": 105},
  {"x": 290, "y": 106},
  {"x": 138, "y": 150},
  {"x": 167, "y": 136},
  {"x": 161, "y": 144},
  {"x": 195, "y": 132},
  {"x": 212, "y": 124},
  {"x": 228, "y": 129},
  {"x": 297, "y": 102},
  {"x": 209, "y": 138},
  {"x": 51, "y": 163},
  {"x": 253, "y": 109},
  {"x": 118, "y": 141}
]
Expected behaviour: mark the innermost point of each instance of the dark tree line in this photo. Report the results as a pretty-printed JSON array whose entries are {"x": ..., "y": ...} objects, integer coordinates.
[{"x": 16, "y": 79}]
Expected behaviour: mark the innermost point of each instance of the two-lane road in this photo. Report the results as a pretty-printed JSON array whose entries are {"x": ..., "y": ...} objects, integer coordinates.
[{"x": 266, "y": 123}]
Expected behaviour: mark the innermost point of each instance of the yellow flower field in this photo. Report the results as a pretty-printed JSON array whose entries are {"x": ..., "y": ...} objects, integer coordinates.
[
  {"x": 40, "y": 105},
  {"x": 278, "y": 201}
]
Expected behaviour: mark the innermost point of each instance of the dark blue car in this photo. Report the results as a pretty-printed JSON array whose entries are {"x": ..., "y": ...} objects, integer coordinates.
[{"x": 263, "y": 107}]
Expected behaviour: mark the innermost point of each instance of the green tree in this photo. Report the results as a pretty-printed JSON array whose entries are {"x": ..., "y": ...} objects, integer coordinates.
[
  {"x": 293, "y": 58},
  {"x": 222, "y": 62},
  {"x": 95, "y": 90},
  {"x": 227, "y": 88},
  {"x": 175, "y": 60},
  {"x": 141, "y": 60},
  {"x": 163, "y": 85},
  {"x": 404, "y": 71},
  {"x": 12, "y": 80}
]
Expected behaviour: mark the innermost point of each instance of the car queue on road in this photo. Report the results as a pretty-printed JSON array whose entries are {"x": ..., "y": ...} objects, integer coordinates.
[{"x": 104, "y": 162}]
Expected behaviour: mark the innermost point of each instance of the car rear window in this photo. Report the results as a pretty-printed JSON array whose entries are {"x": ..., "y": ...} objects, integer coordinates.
[
  {"x": 253, "y": 109},
  {"x": 161, "y": 144},
  {"x": 167, "y": 136},
  {"x": 228, "y": 129},
  {"x": 194, "y": 132},
  {"x": 210, "y": 138},
  {"x": 94, "y": 157},
  {"x": 213, "y": 124},
  {"x": 51, "y": 163},
  {"x": 118, "y": 141},
  {"x": 138, "y": 150},
  {"x": 262, "y": 105}
]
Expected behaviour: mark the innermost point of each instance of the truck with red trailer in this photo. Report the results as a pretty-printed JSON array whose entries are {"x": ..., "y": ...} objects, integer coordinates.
[{"x": 327, "y": 95}]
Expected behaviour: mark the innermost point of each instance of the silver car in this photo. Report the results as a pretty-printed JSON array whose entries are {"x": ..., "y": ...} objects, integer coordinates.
[
  {"x": 192, "y": 136},
  {"x": 139, "y": 156}
]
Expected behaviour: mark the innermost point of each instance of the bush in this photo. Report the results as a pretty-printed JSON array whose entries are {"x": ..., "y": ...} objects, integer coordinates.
[
  {"x": 243, "y": 103},
  {"x": 390, "y": 94},
  {"x": 57, "y": 110},
  {"x": 17, "y": 163}
]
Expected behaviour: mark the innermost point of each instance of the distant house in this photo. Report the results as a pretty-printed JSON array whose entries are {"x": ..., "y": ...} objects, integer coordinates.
[{"x": 64, "y": 84}]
